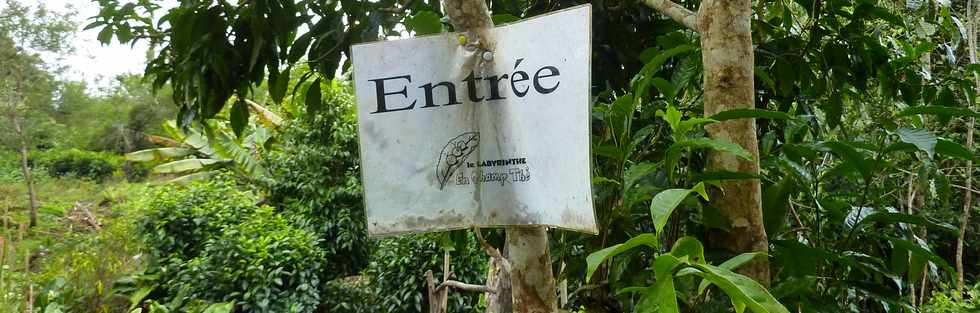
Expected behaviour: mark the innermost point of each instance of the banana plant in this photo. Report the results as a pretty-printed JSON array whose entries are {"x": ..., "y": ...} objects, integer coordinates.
[
  {"x": 686, "y": 258},
  {"x": 193, "y": 154}
]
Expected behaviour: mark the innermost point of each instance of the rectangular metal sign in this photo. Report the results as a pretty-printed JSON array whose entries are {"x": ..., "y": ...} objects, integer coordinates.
[{"x": 449, "y": 141}]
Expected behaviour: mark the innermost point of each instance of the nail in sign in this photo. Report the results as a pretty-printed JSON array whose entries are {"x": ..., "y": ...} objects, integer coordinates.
[{"x": 446, "y": 144}]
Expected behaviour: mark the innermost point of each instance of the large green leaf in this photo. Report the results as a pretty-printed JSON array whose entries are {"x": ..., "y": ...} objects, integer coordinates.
[
  {"x": 921, "y": 138},
  {"x": 158, "y": 154},
  {"x": 731, "y": 265},
  {"x": 189, "y": 178},
  {"x": 939, "y": 110},
  {"x": 741, "y": 289},
  {"x": 596, "y": 258},
  {"x": 920, "y": 251},
  {"x": 238, "y": 116},
  {"x": 228, "y": 148},
  {"x": 662, "y": 297},
  {"x": 664, "y": 203},
  {"x": 895, "y": 217},
  {"x": 688, "y": 247},
  {"x": 947, "y": 147},
  {"x": 187, "y": 165}
]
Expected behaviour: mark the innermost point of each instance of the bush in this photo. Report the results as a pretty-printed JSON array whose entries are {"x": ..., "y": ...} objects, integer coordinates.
[
  {"x": 209, "y": 241},
  {"x": 179, "y": 220},
  {"x": 96, "y": 166},
  {"x": 946, "y": 302},
  {"x": 264, "y": 264},
  {"x": 314, "y": 181}
]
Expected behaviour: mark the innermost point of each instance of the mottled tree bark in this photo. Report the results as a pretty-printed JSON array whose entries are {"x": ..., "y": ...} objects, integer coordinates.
[
  {"x": 726, "y": 49},
  {"x": 532, "y": 283},
  {"x": 727, "y": 55}
]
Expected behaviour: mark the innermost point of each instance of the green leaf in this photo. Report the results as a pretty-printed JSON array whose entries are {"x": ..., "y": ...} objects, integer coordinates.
[
  {"x": 895, "y": 217},
  {"x": 124, "y": 34},
  {"x": 239, "y": 117},
  {"x": 689, "y": 247},
  {"x": 158, "y": 154},
  {"x": 939, "y": 110},
  {"x": 731, "y": 265},
  {"x": 186, "y": 179},
  {"x": 664, "y": 203},
  {"x": 716, "y": 144},
  {"x": 775, "y": 204},
  {"x": 424, "y": 23},
  {"x": 224, "y": 307},
  {"x": 921, "y": 138},
  {"x": 750, "y": 113},
  {"x": 657, "y": 61},
  {"x": 741, "y": 289},
  {"x": 93, "y": 25},
  {"x": 299, "y": 46},
  {"x": 278, "y": 83},
  {"x": 637, "y": 171},
  {"x": 665, "y": 87},
  {"x": 105, "y": 36},
  {"x": 949, "y": 148},
  {"x": 228, "y": 148},
  {"x": 594, "y": 259},
  {"x": 919, "y": 250},
  {"x": 313, "y": 98},
  {"x": 662, "y": 297},
  {"x": 137, "y": 297},
  {"x": 852, "y": 157},
  {"x": 187, "y": 165}
]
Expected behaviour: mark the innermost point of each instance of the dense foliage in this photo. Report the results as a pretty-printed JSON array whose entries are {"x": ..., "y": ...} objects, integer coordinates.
[
  {"x": 314, "y": 181},
  {"x": 248, "y": 254},
  {"x": 862, "y": 110},
  {"x": 78, "y": 163}
]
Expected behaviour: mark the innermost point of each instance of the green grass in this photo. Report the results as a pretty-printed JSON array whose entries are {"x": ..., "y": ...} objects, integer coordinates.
[{"x": 72, "y": 263}]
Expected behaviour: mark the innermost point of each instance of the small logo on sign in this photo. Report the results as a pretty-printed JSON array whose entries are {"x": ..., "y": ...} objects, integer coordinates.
[{"x": 453, "y": 154}]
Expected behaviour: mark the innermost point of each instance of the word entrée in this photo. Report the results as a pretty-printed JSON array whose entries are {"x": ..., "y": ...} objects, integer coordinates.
[{"x": 544, "y": 81}]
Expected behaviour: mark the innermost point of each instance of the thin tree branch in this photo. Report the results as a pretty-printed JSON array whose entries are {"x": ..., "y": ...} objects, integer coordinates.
[
  {"x": 491, "y": 251},
  {"x": 464, "y": 286},
  {"x": 676, "y": 12}
]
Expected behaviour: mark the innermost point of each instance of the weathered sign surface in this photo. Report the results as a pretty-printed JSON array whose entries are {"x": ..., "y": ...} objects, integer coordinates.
[{"x": 446, "y": 144}]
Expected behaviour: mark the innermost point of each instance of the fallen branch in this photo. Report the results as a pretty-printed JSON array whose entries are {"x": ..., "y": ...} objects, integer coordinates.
[{"x": 89, "y": 217}]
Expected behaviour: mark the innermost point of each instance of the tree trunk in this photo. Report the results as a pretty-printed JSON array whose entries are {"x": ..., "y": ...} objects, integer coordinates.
[
  {"x": 26, "y": 170},
  {"x": 727, "y": 55},
  {"x": 968, "y": 196},
  {"x": 726, "y": 48},
  {"x": 531, "y": 278}
]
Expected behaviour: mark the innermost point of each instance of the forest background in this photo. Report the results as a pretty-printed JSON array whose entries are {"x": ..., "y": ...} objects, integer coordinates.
[{"x": 233, "y": 160}]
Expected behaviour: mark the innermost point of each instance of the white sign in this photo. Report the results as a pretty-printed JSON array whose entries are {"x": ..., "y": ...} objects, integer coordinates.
[{"x": 446, "y": 144}]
